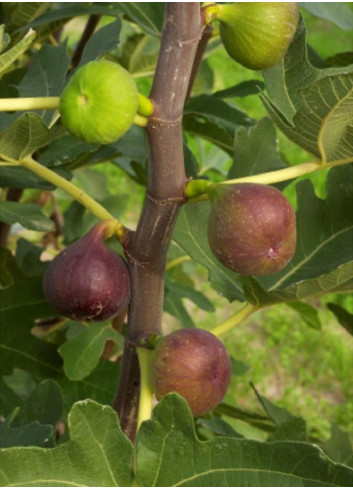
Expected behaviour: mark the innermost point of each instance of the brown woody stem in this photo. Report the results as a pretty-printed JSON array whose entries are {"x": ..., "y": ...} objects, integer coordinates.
[{"x": 146, "y": 248}]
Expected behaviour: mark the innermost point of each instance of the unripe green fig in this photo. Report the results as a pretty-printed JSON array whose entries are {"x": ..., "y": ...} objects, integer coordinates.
[
  {"x": 99, "y": 103},
  {"x": 251, "y": 228},
  {"x": 87, "y": 281},
  {"x": 194, "y": 364},
  {"x": 257, "y": 34}
]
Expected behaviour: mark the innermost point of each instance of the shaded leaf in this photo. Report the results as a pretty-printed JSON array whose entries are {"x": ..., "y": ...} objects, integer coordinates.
[
  {"x": 44, "y": 404},
  {"x": 218, "y": 112},
  {"x": 82, "y": 353},
  {"x": 169, "y": 454},
  {"x": 149, "y": 16},
  {"x": 288, "y": 427},
  {"x": 219, "y": 426},
  {"x": 102, "y": 41},
  {"x": 47, "y": 74},
  {"x": 16, "y": 177},
  {"x": 65, "y": 11},
  {"x": 141, "y": 61},
  {"x": 100, "y": 385},
  {"x": 340, "y": 446},
  {"x": 28, "y": 258},
  {"x": 344, "y": 317},
  {"x": 243, "y": 89},
  {"x": 10, "y": 272},
  {"x": 29, "y": 216},
  {"x": 20, "y": 306},
  {"x": 98, "y": 454},
  {"x": 31, "y": 434},
  {"x": 9, "y": 400},
  {"x": 173, "y": 301},
  {"x": 209, "y": 131},
  {"x": 255, "y": 150},
  {"x": 65, "y": 150},
  {"x": 308, "y": 313},
  {"x": 191, "y": 234}
]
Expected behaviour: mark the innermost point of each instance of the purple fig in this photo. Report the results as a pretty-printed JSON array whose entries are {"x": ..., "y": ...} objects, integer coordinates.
[
  {"x": 87, "y": 281},
  {"x": 252, "y": 228},
  {"x": 194, "y": 364}
]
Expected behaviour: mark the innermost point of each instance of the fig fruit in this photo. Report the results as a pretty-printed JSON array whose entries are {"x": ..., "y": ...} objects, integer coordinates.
[
  {"x": 251, "y": 228},
  {"x": 257, "y": 34},
  {"x": 193, "y": 363},
  {"x": 99, "y": 103},
  {"x": 87, "y": 281}
]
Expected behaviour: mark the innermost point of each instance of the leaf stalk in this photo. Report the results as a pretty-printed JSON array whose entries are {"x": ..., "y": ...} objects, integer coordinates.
[{"x": 236, "y": 319}]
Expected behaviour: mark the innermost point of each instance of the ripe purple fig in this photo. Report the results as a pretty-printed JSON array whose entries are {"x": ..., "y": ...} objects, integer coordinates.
[
  {"x": 87, "y": 281},
  {"x": 252, "y": 228},
  {"x": 195, "y": 364}
]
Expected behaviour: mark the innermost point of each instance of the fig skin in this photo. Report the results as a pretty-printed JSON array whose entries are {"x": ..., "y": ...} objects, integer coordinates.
[
  {"x": 87, "y": 281},
  {"x": 251, "y": 228},
  {"x": 193, "y": 363},
  {"x": 99, "y": 103},
  {"x": 258, "y": 34}
]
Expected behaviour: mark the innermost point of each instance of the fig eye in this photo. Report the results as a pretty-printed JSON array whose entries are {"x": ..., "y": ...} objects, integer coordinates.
[{"x": 99, "y": 103}]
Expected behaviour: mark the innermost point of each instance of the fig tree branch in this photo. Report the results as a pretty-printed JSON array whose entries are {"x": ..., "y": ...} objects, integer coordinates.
[{"x": 146, "y": 248}]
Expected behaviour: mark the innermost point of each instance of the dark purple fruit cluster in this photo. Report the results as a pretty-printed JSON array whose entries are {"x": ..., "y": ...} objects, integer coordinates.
[
  {"x": 87, "y": 281},
  {"x": 195, "y": 364}
]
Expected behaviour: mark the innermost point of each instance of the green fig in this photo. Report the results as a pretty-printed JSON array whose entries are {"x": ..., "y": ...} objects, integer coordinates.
[
  {"x": 193, "y": 363},
  {"x": 252, "y": 228},
  {"x": 257, "y": 34},
  {"x": 99, "y": 103},
  {"x": 87, "y": 281}
]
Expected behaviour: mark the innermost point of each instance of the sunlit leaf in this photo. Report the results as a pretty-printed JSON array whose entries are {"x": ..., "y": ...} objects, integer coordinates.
[
  {"x": 312, "y": 106},
  {"x": 9, "y": 57},
  {"x": 170, "y": 454},
  {"x": 27, "y": 134}
]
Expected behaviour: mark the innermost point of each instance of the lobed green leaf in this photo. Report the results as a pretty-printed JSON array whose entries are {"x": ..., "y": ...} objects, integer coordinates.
[
  {"x": 98, "y": 454},
  {"x": 170, "y": 454}
]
